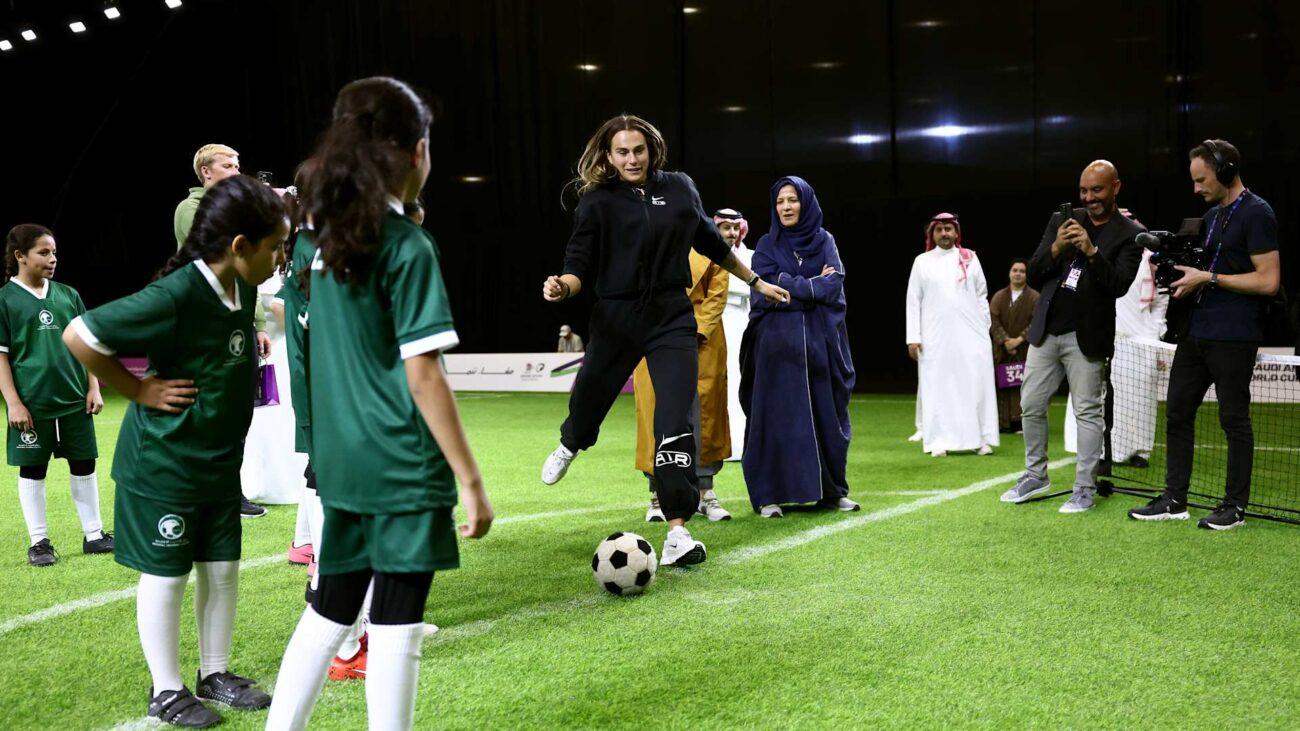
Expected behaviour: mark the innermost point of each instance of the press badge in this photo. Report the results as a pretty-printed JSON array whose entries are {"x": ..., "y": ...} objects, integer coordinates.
[{"x": 1071, "y": 281}]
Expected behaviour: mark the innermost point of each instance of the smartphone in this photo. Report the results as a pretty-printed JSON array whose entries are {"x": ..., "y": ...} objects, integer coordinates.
[
  {"x": 264, "y": 176},
  {"x": 1067, "y": 213}
]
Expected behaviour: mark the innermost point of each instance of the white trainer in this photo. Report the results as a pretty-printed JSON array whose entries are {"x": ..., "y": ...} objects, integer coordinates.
[
  {"x": 771, "y": 511},
  {"x": 654, "y": 514},
  {"x": 844, "y": 505},
  {"x": 680, "y": 549},
  {"x": 939, "y": 453},
  {"x": 985, "y": 450},
  {"x": 918, "y": 436},
  {"x": 557, "y": 464},
  {"x": 711, "y": 508}
]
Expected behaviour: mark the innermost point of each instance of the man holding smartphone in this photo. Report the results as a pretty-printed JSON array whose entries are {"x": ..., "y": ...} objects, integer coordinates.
[
  {"x": 1223, "y": 333},
  {"x": 1085, "y": 261}
]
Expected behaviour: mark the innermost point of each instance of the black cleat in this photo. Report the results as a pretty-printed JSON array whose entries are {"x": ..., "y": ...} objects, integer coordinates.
[
  {"x": 103, "y": 544},
  {"x": 233, "y": 690},
  {"x": 248, "y": 509},
  {"x": 1224, "y": 517},
  {"x": 181, "y": 708},
  {"x": 42, "y": 554},
  {"x": 309, "y": 594}
]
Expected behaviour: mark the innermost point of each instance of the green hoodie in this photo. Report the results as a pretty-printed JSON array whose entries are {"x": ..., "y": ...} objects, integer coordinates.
[{"x": 183, "y": 220}]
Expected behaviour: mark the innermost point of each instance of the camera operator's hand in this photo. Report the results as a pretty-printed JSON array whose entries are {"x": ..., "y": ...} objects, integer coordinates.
[{"x": 1191, "y": 281}]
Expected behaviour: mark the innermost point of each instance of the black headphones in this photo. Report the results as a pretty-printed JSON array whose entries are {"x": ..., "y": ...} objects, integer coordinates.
[{"x": 1225, "y": 171}]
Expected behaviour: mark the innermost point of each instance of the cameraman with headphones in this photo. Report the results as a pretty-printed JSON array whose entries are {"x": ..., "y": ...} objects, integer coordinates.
[{"x": 1223, "y": 333}]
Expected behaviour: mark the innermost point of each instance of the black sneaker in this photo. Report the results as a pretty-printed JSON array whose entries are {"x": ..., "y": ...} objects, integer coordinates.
[
  {"x": 42, "y": 554},
  {"x": 248, "y": 509},
  {"x": 1139, "y": 462},
  {"x": 1224, "y": 517},
  {"x": 181, "y": 708},
  {"x": 233, "y": 690},
  {"x": 1161, "y": 508},
  {"x": 309, "y": 594},
  {"x": 103, "y": 544}
]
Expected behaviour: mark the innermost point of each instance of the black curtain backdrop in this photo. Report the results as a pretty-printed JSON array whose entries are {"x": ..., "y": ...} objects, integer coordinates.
[{"x": 893, "y": 111}]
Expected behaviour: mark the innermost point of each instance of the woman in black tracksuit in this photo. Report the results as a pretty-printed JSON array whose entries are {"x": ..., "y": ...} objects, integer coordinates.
[{"x": 632, "y": 232}]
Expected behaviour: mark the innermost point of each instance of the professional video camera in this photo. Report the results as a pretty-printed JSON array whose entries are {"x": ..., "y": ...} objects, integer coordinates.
[{"x": 1168, "y": 250}]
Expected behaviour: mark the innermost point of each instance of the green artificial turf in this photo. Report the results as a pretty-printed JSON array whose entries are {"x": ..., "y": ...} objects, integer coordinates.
[{"x": 922, "y": 611}]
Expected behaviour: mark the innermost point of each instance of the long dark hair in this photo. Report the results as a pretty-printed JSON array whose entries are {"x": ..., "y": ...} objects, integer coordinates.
[
  {"x": 364, "y": 154},
  {"x": 21, "y": 239},
  {"x": 234, "y": 206},
  {"x": 593, "y": 167}
]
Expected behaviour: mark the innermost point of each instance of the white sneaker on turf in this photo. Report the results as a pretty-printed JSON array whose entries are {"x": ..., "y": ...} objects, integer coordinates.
[
  {"x": 985, "y": 450},
  {"x": 711, "y": 509},
  {"x": 771, "y": 511},
  {"x": 557, "y": 464},
  {"x": 918, "y": 436},
  {"x": 680, "y": 549},
  {"x": 939, "y": 453},
  {"x": 844, "y": 505},
  {"x": 654, "y": 514}
]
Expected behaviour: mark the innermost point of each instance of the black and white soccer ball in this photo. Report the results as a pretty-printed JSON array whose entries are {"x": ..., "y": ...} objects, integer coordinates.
[{"x": 624, "y": 564}]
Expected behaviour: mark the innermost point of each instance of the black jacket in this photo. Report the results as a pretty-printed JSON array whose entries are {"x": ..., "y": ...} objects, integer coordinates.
[
  {"x": 628, "y": 244},
  {"x": 1107, "y": 277}
]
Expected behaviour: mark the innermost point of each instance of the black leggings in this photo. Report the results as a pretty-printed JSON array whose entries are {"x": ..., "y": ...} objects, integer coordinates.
[
  {"x": 398, "y": 598},
  {"x": 661, "y": 330},
  {"x": 77, "y": 467}
]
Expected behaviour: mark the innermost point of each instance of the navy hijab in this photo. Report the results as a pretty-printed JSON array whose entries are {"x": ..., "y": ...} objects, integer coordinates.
[{"x": 807, "y": 237}]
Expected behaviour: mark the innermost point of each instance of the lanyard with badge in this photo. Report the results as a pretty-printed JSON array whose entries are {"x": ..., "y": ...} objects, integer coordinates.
[
  {"x": 1214, "y": 220},
  {"x": 1071, "y": 279}
]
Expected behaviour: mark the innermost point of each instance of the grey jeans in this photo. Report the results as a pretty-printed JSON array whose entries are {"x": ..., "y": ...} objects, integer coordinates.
[{"x": 1059, "y": 356}]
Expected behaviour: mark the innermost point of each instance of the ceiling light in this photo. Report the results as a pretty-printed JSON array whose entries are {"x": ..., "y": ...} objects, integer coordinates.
[
  {"x": 173, "y": 4},
  {"x": 690, "y": 10},
  {"x": 472, "y": 179},
  {"x": 733, "y": 109},
  {"x": 947, "y": 131},
  {"x": 6, "y": 46},
  {"x": 111, "y": 12},
  {"x": 77, "y": 26},
  {"x": 865, "y": 139},
  {"x": 29, "y": 35},
  {"x": 588, "y": 67}
]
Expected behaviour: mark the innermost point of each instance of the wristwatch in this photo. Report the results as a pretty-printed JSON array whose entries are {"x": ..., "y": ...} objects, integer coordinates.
[
  {"x": 1214, "y": 279},
  {"x": 752, "y": 280}
]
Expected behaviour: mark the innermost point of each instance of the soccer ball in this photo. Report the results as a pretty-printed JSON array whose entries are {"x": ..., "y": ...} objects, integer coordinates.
[{"x": 624, "y": 564}]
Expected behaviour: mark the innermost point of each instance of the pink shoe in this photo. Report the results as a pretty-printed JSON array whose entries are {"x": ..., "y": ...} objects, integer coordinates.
[
  {"x": 311, "y": 568},
  {"x": 301, "y": 555}
]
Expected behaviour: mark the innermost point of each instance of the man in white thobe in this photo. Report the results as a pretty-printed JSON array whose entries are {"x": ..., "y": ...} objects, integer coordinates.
[
  {"x": 948, "y": 335},
  {"x": 735, "y": 318}
]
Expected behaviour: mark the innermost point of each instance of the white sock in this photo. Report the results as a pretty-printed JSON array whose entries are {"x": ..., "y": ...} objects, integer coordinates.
[
  {"x": 352, "y": 642},
  {"x": 392, "y": 675},
  {"x": 302, "y": 671},
  {"x": 31, "y": 493},
  {"x": 302, "y": 527},
  {"x": 158, "y": 618},
  {"x": 216, "y": 591},
  {"x": 85, "y": 494}
]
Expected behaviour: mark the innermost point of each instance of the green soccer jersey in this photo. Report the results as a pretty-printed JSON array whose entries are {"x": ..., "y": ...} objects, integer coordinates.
[
  {"x": 371, "y": 449},
  {"x": 189, "y": 329},
  {"x": 49, "y": 380},
  {"x": 294, "y": 299}
]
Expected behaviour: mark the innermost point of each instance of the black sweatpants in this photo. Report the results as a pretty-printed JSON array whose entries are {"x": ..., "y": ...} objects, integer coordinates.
[
  {"x": 1229, "y": 366},
  {"x": 661, "y": 330}
]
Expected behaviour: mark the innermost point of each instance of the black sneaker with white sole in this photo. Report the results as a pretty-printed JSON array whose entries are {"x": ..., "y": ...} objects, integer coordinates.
[
  {"x": 249, "y": 509},
  {"x": 181, "y": 708},
  {"x": 1160, "y": 508},
  {"x": 233, "y": 690},
  {"x": 1224, "y": 517}
]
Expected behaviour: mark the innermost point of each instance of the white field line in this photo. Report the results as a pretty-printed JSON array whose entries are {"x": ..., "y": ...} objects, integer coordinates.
[
  {"x": 481, "y": 627},
  {"x": 1225, "y": 446}
]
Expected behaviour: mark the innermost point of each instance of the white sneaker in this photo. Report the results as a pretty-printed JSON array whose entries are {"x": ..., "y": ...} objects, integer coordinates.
[
  {"x": 654, "y": 514},
  {"x": 918, "y": 436},
  {"x": 711, "y": 509},
  {"x": 771, "y": 511},
  {"x": 844, "y": 505},
  {"x": 985, "y": 450},
  {"x": 680, "y": 549},
  {"x": 557, "y": 464},
  {"x": 939, "y": 453}
]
